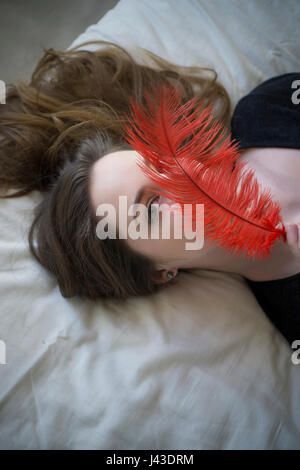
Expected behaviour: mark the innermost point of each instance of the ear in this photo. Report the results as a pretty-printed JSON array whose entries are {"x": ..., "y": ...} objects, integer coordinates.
[
  {"x": 161, "y": 276},
  {"x": 158, "y": 276}
]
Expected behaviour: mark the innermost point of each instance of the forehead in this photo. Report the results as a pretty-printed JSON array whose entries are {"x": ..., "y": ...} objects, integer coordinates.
[{"x": 112, "y": 175}]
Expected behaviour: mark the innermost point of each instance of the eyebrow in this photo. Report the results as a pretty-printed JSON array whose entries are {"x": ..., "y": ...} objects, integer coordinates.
[{"x": 139, "y": 194}]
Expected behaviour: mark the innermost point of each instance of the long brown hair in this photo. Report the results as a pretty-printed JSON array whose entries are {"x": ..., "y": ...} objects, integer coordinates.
[{"x": 54, "y": 128}]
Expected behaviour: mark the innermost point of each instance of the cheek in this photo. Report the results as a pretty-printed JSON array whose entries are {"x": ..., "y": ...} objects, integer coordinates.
[{"x": 153, "y": 249}]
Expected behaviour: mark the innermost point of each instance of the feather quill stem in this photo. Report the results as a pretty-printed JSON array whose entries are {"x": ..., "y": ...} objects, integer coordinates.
[{"x": 201, "y": 171}]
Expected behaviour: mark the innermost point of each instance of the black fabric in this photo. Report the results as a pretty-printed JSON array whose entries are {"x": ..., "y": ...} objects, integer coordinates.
[
  {"x": 267, "y": 117},
  {"x": 280, "y": 300}
]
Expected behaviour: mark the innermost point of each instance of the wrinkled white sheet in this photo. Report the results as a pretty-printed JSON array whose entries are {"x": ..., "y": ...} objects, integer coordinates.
[{"x": 196, "y": 367}]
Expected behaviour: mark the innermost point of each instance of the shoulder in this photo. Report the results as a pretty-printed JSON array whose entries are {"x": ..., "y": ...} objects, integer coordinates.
[
  {"x": 274, "y": 91},
  {"x": 268, "y": 116}
]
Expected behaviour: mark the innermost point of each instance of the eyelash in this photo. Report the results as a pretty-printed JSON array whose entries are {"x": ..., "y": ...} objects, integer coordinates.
[{"x": 149, "y": 208}]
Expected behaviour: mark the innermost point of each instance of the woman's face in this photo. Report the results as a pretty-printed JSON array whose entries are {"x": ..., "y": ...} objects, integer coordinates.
[{"x": 117, "y": 174}]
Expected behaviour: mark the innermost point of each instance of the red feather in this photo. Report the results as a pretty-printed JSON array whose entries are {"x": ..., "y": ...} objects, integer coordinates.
[{"x": 238, "y": 216}]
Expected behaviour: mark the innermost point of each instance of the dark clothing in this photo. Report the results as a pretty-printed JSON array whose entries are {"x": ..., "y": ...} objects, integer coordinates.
[{"x": 268, "y": 117}]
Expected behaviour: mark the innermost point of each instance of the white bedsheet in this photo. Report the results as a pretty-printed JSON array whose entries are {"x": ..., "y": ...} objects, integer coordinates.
[{"x": 199, "y": 366}]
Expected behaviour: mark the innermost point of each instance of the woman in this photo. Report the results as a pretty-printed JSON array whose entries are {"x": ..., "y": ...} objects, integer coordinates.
[
  {"x": 70, "y": 116},
  {"x": 63, "y": 136}
]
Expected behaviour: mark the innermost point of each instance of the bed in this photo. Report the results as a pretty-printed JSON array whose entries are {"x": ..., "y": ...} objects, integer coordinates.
[{"x": 196, "y": 366}]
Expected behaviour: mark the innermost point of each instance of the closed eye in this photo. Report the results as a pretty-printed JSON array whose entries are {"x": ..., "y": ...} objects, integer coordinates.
[{"x": 150, "y": 207}]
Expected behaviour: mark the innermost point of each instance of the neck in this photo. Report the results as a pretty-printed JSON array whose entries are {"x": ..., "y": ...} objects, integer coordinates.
[{"x": 281, "y": 262}]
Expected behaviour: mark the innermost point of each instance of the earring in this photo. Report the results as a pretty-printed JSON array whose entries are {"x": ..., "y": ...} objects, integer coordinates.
[{"x": 170, "y": 275}]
